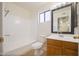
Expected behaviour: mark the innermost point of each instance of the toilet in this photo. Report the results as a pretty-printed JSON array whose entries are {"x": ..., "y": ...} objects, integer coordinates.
[{"x": 37, "y": 47}]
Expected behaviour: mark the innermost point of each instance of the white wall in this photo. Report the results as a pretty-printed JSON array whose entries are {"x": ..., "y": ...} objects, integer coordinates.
[
  {"x": 19, "y": 34},
  {"x": 43, "y": 28},
  {"x": 34, "y": 24}
]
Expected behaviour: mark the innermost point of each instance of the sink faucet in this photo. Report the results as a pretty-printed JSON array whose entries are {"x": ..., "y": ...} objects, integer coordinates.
[{"x": 60, "y": 34}]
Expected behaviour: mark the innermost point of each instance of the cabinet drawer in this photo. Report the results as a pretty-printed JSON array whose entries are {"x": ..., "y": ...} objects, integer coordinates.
[
  {"x": 53, "y": 42},
  {"x": 70, "y": 45}
]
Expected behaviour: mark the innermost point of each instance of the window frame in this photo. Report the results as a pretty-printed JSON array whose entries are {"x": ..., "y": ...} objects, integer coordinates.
[
  {"x": 50, "y": 14},
  {"x": 44, "y": 16},
  {"x": 39, "y": 17}
]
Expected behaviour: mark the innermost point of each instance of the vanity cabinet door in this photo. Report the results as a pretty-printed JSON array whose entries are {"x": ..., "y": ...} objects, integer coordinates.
[
  {"x": 54, "y": 47},
  {"x": 70, "y": 48},
  {"x": 54, "y": 51},
  {"x": 69, "y": 52}
]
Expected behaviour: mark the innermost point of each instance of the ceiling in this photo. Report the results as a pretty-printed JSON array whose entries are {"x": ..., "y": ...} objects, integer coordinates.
[{"x": 32, "y": 5}]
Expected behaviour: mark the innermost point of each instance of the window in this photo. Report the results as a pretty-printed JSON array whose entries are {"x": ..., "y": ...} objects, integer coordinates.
[
  {"x": 47, "y": 16},
  {"x": 44, "y": 17},
  {"x": 41, "y": 17}
]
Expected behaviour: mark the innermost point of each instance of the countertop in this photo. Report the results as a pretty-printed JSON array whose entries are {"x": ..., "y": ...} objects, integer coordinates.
[{"x": 68, "y": 38}]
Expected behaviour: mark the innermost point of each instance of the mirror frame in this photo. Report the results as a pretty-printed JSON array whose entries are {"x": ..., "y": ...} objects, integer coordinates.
[{"x": 72, "y": 18}]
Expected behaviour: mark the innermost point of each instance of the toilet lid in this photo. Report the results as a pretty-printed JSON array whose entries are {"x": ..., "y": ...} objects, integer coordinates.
[{"x": 37, "y": 45}]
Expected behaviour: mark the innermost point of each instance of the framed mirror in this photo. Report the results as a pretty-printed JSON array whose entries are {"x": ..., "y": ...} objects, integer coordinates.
[{"x": 63, "y": 19}]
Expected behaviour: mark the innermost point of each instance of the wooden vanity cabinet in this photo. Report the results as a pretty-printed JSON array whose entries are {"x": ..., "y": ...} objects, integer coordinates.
[
  {"x": 61, "y": 48},
  {"x": 70, "y": 48}
]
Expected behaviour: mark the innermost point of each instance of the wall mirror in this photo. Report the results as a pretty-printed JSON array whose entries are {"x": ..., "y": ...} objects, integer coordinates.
[{"x": 63, "y": 19}]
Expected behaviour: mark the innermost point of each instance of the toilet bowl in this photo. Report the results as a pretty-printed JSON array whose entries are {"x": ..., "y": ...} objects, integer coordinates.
[{"x": 36, "y": 46}]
